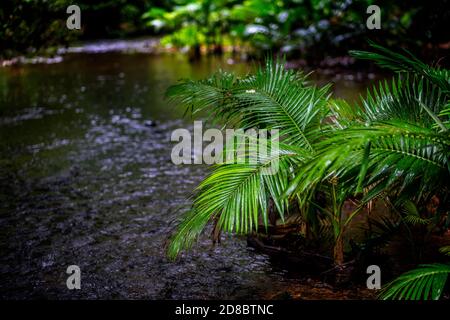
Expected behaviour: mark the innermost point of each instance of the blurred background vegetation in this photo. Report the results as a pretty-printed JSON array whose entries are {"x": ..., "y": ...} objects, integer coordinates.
[{"x": 307, "y": 29}]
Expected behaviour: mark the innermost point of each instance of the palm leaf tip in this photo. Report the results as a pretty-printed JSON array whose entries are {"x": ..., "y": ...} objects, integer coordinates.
[{"x": 187, "y": 233}]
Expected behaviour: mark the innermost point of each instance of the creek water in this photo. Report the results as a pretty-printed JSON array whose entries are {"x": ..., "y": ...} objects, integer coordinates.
[{"x": 86, "y": 179}]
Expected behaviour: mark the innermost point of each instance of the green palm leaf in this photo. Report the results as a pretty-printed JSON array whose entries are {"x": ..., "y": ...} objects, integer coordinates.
[
  {"x": 273, "y": 98},
  {"x": 402, "y": 157},
  {"x": 276, "y": 98},
  {"x": 410, "y": 98},
  {"x": 237, "y": 193},
  {"x": 214, "y": 95},
  {"x": 406, "y": 63},
  {"x": 426, "y": 282}
]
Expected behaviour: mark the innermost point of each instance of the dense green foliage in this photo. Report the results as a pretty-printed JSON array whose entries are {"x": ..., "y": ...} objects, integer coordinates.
[
  {"x": 23, "y": 29},
  {"x": 312, "y": 29},
  {"x": 392, "y": 147},
  {"x": 33, "y": 26},
  {"x": 114, "y": 18}
]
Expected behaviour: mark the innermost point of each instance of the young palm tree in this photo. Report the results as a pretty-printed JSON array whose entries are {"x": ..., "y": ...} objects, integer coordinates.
[
  {"x": 393, "y": 145},
  {"x": 237, "y": 195}
]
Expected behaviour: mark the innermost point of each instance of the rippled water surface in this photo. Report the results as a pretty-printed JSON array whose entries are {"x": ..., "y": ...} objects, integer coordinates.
[{"x": 86, "y": 179}]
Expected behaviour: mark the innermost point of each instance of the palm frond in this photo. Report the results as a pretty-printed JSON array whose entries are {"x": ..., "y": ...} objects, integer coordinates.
[
  {"x": 402, "y": 157},
  {"x": 405, "y": 62},
  {"x": 407, "y": 97},
  {"x": 411, "y": 214},
  {"x": 445, "y": 250},
  {"x": 426, "y": 282},
  {"x": 445, "y": 115},
  {"x": 214, "y": 95},
  {"x": 237, "y": 193},
  {"x": 273, "y": 98},
  {"x": 343, "y": 114}
]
